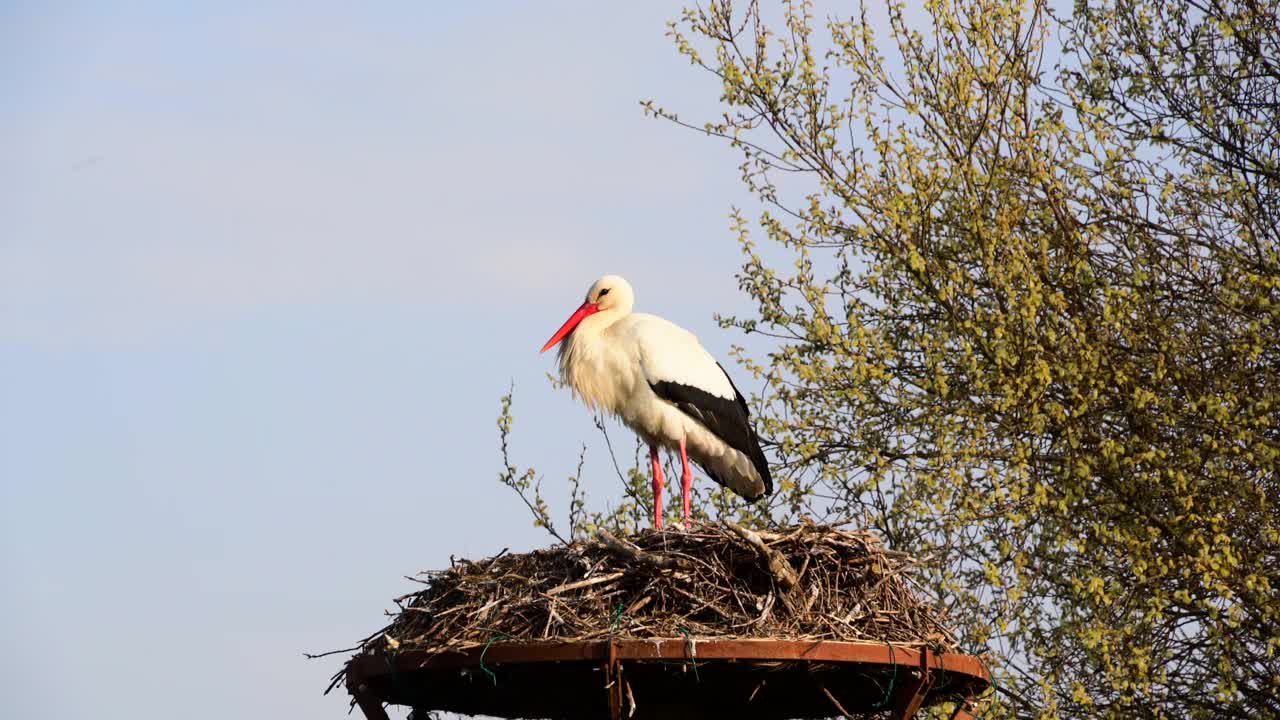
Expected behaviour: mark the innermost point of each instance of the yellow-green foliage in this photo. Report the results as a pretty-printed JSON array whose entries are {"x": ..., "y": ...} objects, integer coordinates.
[{"x": 1025, "y": 276}]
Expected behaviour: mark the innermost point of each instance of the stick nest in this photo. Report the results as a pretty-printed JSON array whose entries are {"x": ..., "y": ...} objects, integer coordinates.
[{"x": 718, "y": 581}]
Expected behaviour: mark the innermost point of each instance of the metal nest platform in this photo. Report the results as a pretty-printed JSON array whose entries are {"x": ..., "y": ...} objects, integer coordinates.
[{"x": 665, "y": 679}]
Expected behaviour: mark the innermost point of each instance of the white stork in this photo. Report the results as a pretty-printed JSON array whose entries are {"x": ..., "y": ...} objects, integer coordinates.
[{"x": 658, "y": 379}]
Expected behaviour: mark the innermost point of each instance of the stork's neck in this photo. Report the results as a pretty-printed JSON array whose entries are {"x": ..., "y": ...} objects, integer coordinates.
[
  {"x": 587, "y": 358},
  {"x": 593, "y": 327}
]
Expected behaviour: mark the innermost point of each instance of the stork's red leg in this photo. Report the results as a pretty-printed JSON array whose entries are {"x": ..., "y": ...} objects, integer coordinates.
[
  {"x": 657, "y": 486},
  {"x": 686, "y": 482}
]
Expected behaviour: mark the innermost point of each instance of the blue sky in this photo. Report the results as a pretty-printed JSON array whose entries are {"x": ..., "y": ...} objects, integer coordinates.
[{"x": 264, "y": 272}]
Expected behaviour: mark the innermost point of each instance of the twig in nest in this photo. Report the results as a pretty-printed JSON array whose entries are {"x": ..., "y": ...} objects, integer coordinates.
[
  {"x": 586, "y": 583},
  {"x": 776, "y": 563},
  {"x": 631, "y": 551},
  {"x": 313, "y": 656}
]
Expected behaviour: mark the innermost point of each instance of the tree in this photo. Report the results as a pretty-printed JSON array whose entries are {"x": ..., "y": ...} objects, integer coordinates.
[{"x": 1029, "y": 328}]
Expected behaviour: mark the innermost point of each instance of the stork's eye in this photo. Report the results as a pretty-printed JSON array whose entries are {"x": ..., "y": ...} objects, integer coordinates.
[{"x": 603, "y": 293}]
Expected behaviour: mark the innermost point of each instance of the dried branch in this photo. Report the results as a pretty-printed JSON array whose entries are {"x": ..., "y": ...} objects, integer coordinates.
[
  {"x": 634, "y": 553},
  {"x": 776, "y": 563}
]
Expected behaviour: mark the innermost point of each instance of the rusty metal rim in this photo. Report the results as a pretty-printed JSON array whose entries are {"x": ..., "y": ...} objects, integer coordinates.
[{"x": 826, "y": 651}]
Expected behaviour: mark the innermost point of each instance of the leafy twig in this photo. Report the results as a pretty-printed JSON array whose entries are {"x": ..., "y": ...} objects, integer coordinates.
[{"x": 527, "y": 484}]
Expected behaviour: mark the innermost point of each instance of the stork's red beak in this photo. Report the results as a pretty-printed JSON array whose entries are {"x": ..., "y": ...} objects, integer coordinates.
[{"x": 588, "y": 308}]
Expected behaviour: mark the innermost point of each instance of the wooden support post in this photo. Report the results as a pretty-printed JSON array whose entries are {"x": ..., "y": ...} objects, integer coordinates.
[
  {"x": 910, "y": 697},
  {"x": 370, "y": 705},
  {"x": 613, "y": 682}
]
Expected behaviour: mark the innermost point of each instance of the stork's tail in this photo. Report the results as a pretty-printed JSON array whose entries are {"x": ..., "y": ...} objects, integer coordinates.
[{"x": 750, "y": 485}]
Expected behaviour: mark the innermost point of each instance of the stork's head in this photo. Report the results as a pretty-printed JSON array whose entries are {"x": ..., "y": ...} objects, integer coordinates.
[
  {"x": 610, "y": 296},
  {"x": 611, "y": 292}
]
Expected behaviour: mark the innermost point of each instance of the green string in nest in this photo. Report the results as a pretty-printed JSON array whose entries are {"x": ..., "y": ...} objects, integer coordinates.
[
  {"x": 484, "y": 667},
  {"x": 693, "y": 651},
  {"x": 995, "y": 688},
  {"x": 893, "y": 681},
  {"x": 617, "y": 615}
]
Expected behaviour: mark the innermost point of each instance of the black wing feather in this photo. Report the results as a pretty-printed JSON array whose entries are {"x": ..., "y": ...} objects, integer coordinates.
[{"x": 730, "y": 420}]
